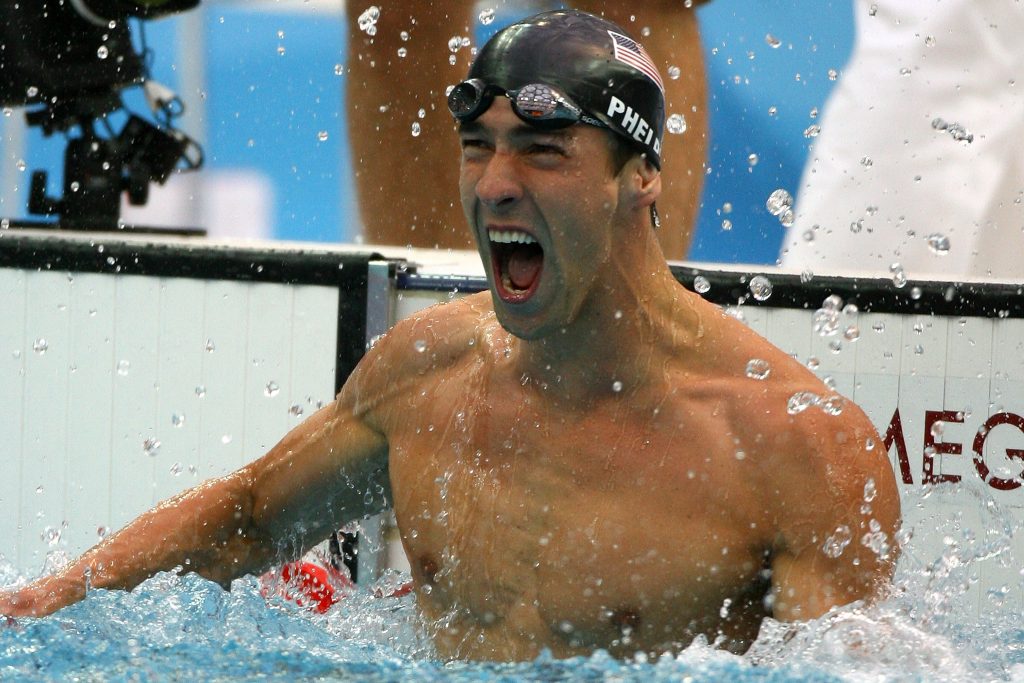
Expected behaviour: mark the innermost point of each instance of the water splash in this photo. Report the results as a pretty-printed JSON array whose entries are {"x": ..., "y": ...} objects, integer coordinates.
[
  {"x": 368, "y": 20},
  {"x": 760, "y": 287},
  {"x": 676, "y": 124},
  {"x": 758, "y": 368},
  {"x": 938, "y": 243}
]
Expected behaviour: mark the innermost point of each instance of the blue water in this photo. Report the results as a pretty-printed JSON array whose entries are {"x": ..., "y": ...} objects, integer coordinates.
[{"x": 180, "y": 628}]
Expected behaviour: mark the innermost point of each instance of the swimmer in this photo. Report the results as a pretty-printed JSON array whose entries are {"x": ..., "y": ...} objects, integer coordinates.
[
  {"x": 398, "y": 76},
  {"x": 578, "y": 458}
]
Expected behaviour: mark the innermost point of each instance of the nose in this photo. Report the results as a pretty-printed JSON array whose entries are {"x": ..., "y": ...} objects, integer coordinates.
[{"x": 499, "y": 185}]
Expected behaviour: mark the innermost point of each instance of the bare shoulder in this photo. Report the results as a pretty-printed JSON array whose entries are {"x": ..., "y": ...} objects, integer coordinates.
[
  {"x": 810, "y": 450},
  {"x": 430, "y": 341}
]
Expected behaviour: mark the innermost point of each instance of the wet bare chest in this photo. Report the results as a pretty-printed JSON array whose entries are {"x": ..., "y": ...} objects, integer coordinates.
[{"x": 571, "y": 531}]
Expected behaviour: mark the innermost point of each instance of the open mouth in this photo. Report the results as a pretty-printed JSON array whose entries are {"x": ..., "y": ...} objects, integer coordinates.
[{"x": 517, "y": 260}]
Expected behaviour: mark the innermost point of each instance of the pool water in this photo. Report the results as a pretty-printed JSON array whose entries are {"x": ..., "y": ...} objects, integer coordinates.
[{"x": 180, "y": 628}]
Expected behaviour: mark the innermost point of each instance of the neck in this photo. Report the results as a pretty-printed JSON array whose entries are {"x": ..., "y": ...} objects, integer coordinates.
[{"x": 636, "y": 317}]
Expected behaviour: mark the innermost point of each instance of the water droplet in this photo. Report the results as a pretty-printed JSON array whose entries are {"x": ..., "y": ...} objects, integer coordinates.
[
  {"x": 833, "y": 405},
  {"x": 102, "y": 531},
  {"x": 852, "y": 333},
  {"x": 837, "y": 542},
  {"x": 404, "y": 35},
  {"x": 773, "y": 110},
  {"x": 812, "y": 131},
  {"x": 735, "y": 313},
  {"x": 779, "y": 202},
  {"x": 674, "y": 72},
  {"x": 616, "y": 386},
  {"x": 758, "y": 368},
  {"x": 938, "y": 243},
  {"x": 415, "y": 130},
  {"x": 151, "y": 446},
  {"x": 857, "y": 225},
  {"x": 420, "y": 345},
  {"x": 801, "y": 401},
  {"x": 226, "y": 439},
  {"x": 878, "y": 327},
  {"x": 322, "y": 136},
  {"x": 833, "y": 74},
  {"x": 760, "y": 287},
  {"x": 368, "y": 20},
  {"x": 51, "y": 535},
  {"x": 402, "y": 52},
  {"x": 339, "y": 69},
  {"x": 210, "y": 346},
  {"x": 899, "y": 277},
  {"x": 102, "y": 52},
  {"x": 676, "y": 124},
  {"x": 176, "y": 468},
  {"x": 701, "y": 285},
  {"x": 813, "y": 363},
  {"x": 280, "y": 50},
  {"x": 806, "y": 276},
  {"x": 295, "y": 410},
  {"x": 726, "y": 225},
  {"x": 122, "y": 367},
  {"x": 40, "y": 346},
  {"x": 752, "y": 160},
  {"x": 272, "y": 389},
  {"x": 21, "y": 165},
  {"x": 772, "y": 41},
  {"x": 825, "y": 322},
  {"x": 39, "y": 489},
  {"x": 938, "y": 427},
  {"x": 178, "y": 419},
  {"x": 200, "y": 391},
  {"x": 32, "y": 91},
  {"x": 787, "y": 218},
  {"x": 955, "y": 130},
  {"x": 455, "y": 43},
  {"x": 422, "y": 113}
]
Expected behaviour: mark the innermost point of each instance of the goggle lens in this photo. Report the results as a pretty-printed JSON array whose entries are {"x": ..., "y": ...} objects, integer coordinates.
[{"x": 537, "y": 104}]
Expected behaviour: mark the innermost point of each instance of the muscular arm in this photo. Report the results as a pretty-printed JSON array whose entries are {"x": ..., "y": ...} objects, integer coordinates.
[
  {"x": 836, "y": 544},
  {"x": 312, "y": 482}
]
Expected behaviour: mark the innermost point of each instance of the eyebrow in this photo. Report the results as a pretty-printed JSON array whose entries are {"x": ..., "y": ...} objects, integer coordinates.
[{"x": 521, "y": 131}]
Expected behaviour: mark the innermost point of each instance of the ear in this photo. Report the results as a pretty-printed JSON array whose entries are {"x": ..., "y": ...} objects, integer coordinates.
[{"x": 645, "y": 182}]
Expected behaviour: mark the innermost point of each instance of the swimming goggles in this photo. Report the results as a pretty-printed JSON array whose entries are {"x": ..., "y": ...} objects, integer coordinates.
[{"x": 537, "y": 104}]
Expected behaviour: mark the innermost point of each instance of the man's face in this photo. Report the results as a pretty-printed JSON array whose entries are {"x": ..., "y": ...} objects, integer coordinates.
[{"x": 541, "y": 206}]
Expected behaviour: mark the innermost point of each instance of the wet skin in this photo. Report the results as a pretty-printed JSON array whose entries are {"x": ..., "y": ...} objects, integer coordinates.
[{"x": 586, "y": 467}]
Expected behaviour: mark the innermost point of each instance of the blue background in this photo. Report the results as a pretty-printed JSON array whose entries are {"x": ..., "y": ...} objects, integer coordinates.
[{"x": 265, "y": 109}]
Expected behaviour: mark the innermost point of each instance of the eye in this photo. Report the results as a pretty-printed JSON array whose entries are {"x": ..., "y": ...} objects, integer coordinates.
[
  {"x": 474, "y": 148},
  {"x": 544, "y": 148}
]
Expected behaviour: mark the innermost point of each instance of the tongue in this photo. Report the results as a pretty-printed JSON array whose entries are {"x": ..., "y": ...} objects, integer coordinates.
[{"x": 524, "y": 266}]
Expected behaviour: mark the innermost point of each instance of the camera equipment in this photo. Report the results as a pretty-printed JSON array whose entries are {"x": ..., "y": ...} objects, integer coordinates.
[{"x": 67, "y": 61}]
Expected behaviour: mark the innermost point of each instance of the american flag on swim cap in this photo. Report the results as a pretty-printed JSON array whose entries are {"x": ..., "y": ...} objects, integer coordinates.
[{"x": 631, "y": 52}]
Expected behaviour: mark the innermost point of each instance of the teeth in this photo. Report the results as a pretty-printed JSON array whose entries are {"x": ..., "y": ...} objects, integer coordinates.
[{"x": 510, "y": 236}]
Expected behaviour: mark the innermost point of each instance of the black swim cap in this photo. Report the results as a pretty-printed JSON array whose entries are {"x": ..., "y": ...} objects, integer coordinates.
[{"x": 592, "y": 61}]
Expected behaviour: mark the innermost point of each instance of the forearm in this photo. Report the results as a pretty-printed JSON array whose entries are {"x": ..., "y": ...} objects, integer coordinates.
[{"x": 207, "y": 530}]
